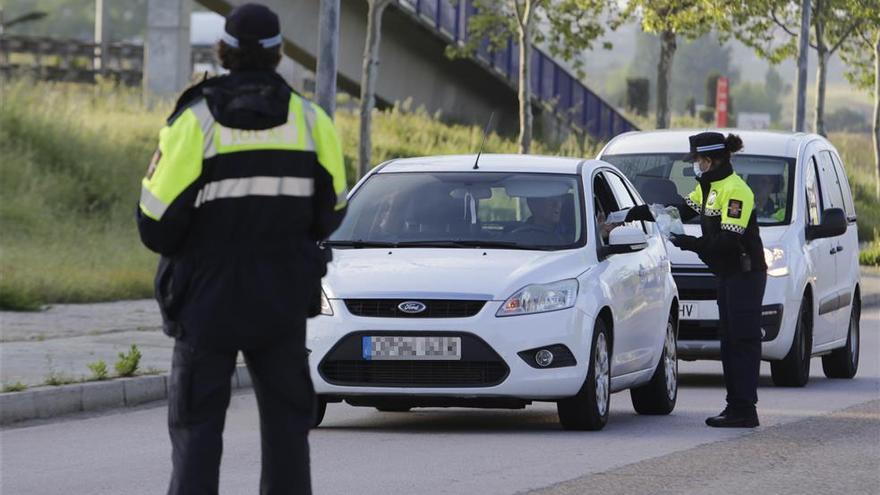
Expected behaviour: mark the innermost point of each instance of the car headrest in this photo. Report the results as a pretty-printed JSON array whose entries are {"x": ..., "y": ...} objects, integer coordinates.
[{"x": 753, "y": 181}]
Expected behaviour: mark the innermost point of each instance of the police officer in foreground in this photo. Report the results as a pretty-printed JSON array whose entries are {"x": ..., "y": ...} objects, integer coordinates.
[
  {"x": 732, "y": 249},
  {"x": 247, "y": 179}
]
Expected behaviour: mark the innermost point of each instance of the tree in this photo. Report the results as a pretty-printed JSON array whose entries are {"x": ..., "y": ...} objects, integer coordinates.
[
  {"x": 669, "y": 19},
  {"x": 862, "y": 54},
  {"x": 568, "y": 26},
  {"x": 369, "y": 75},
  {"x": 758, "y": 23}
]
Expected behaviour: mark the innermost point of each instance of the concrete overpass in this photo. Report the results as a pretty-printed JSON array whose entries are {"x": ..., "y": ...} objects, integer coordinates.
[{"x": 415, "y": 34}]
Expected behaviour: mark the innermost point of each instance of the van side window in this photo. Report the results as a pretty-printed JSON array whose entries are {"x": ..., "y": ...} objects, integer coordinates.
[
  {"x": 814, "y": 202},
  {"x": 833, "y": 196},
  {"x": 844, "y": 187}
]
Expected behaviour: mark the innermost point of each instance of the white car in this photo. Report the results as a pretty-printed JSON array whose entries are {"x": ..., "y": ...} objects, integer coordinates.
[
  {"x": 460, "y": 285},
  {"x": 808, "y": 225}
]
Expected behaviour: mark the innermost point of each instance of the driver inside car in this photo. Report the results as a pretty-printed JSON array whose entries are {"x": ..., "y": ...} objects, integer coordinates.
[{"x": 543, "y": 226}]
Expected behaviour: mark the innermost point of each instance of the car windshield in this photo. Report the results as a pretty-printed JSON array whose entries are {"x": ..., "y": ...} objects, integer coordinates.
[
  {"x": 473, "y": 209},
  {"x": 667, "y": 178}
]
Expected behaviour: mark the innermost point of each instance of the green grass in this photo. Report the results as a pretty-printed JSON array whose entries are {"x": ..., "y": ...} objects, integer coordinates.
[
  {"x": 870, "y": 254},
  {"x": 72, "y": 157}
]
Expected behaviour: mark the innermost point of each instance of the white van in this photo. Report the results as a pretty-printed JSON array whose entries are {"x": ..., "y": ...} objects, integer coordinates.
[{"x": 808, "y": 225}]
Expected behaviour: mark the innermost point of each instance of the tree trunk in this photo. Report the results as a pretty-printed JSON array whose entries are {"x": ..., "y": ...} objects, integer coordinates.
[
  {"x": 525, "y": 89},
  {"x": 664, "y": 67},
  {"x": 876, "y": 125},
  {"x": 800, "y": 94},
  {"x": 821, "y": 70},
  {"x": 369, "y": 74},
  {"x": 328, "y": 46}
]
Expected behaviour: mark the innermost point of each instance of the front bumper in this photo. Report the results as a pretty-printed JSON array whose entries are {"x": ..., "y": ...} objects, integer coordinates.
[
  {"x": 699, "y": 322},
  {"x": 332, "y": 339}
]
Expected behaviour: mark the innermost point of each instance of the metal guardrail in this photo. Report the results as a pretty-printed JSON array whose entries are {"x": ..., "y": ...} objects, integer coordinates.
[
  {"x": 551, "y": 84},
  {"x": 54, "y": 59}
]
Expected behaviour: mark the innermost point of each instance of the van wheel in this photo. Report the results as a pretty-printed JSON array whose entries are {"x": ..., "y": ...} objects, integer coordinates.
[
  {"x": 658, "y": 396},
  {"x": 844, "y": 362},
  {"x": 588, "y": 410},
  {"x": 320, "y": 409},
  {"x": 794, "y": 369}
]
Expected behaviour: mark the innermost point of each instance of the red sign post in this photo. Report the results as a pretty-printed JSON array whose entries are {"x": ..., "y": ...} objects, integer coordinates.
[{"x": 722, "y": 92}]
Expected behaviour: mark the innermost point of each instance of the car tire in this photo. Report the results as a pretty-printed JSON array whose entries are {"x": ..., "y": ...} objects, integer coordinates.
[
  {"x": 588, "y": 410},
  {"x": 319, "y": 411},
  {"x": 659, "y": 395},
  {"x": 399, "y": 409},
  {"x": 794, "y": 369},
  {"x": 844, "y": 362}
]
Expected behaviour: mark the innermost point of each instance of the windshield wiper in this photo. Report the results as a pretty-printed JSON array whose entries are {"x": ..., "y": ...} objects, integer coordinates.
[
  {"x": 360, "y": 244},
  {"x": 472, "y": 244}
]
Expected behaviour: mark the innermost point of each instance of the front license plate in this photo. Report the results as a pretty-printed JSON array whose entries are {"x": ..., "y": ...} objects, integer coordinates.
[
  {"x": 689, "y": 311},
  {"x": 401, "y": 348}
]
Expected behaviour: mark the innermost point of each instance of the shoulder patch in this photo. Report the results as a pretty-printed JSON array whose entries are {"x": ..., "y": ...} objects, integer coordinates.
[{"x": 734, "y": 208}]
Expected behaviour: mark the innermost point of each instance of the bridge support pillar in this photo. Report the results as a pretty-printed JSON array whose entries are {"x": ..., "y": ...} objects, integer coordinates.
[{"x": 167, "y": 57}]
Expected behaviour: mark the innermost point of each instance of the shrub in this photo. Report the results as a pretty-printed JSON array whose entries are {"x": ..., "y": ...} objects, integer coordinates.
[
  {"x": 127, "y": 364},
  {"x": 99, "y": 370}
]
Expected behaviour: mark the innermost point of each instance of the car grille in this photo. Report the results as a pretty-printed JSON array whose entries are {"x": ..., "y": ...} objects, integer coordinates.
[
  {"x": 479, "y": 366},
  {"x": 434, "y": 308},
  {"x": 694, "y": 285},
  {"x": 415, "y": 373}
]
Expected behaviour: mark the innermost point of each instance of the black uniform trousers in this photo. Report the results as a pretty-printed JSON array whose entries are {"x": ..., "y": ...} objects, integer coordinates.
[
  {"x": 740, "y": 299},
  {"x": 199, "y": 393}
]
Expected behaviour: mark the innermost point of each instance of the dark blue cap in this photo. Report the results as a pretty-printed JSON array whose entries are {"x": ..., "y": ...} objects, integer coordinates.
[
  {"x": 709, "y": 144},
  {"x": 253, "y": 25}
]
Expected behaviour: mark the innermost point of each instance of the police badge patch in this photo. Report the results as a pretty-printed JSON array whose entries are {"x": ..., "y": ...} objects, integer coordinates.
[
  {"x": 735, "y": 208},
  {"x": 154, "y": 162}
]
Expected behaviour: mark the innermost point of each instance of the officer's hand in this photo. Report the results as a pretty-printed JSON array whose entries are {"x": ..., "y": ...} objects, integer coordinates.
[{"x": 686, "y": 242}]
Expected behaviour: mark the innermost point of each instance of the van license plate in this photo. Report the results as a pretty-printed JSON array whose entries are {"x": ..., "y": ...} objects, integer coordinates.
[
  {"x": 403, "y": 348},
  {"x": 689, "y": 311}
]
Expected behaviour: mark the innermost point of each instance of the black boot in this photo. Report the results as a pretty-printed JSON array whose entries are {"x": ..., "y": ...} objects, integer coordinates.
[
  {"x": 734, "y": 419},
  {"x": 720, "y": 416}
]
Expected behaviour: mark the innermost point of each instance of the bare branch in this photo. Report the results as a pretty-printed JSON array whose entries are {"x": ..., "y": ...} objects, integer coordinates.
[
  {"x": 846, "y": 34},
  {"x": 781, "y": 24}
]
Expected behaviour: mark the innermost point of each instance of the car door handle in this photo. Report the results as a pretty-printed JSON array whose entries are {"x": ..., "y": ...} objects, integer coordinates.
[
  {"x": 839, "y": 248},
  {"x": 833, "y": 251}
]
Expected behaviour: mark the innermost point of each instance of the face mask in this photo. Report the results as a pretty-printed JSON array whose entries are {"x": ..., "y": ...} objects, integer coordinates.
[{"x": 697, "y": 170}]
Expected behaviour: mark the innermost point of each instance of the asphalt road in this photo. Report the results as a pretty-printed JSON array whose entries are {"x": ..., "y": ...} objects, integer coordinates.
[{"x": 822, "y": 439}]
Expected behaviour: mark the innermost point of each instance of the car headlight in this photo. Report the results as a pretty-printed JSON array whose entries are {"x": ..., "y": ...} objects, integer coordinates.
[
  {"x": 777, "y": 262},
  {"x": 540, "y": 298},
  {"x": 326, "y": 309}
]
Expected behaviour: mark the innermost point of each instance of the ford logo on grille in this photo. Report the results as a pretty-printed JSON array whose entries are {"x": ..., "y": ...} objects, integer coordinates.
[{"x": 412, "y": 307}]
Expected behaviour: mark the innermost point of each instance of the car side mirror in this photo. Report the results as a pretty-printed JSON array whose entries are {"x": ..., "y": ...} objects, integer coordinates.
[
  {"x": 625, "y": 239},
  {"x": 833, "y": 224}
]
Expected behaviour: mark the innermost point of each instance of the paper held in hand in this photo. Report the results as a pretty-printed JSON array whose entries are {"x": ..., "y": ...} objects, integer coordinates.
[
  {"x": 668, "y": 219},
  {"x": 617, "y": 216}
]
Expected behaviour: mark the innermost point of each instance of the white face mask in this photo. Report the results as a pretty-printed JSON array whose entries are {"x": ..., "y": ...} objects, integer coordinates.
[{"x": 697, "y": 170}]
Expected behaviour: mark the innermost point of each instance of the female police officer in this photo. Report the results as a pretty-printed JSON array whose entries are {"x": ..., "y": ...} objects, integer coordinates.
[{"x": 732, "y": 249}]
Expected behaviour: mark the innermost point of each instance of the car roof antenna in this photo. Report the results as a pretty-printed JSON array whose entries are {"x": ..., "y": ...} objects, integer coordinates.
[{"x": 485, "y": 133}]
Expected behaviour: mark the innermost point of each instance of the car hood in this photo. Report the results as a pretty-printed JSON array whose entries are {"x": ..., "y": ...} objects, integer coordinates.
[
  {"x": 770, "y": 236},
  {"x": 492, "y": 274}
]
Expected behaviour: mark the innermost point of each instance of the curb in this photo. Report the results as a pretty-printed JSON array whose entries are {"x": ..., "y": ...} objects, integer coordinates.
[{"x": 50, "y": 402}]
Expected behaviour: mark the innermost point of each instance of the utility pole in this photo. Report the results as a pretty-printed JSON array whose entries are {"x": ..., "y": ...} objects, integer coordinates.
[
  {"x": 102, "y": 38},
  {"x": 167, "y": 50},
  {"x": 328, "y": 46},
  {"x": 800, "y": 96}
]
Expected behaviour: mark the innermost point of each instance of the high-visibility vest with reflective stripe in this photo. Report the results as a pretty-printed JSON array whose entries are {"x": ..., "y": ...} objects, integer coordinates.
[{"x": 195, "y": 137}]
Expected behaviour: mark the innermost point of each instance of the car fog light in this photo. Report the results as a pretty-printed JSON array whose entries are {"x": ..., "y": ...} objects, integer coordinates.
[{"x": 544, "y": 358}]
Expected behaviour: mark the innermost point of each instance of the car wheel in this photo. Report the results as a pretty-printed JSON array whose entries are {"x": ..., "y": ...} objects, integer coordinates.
[
  {"x": 794, "y": 369},
  {"x": 320, "y": 409},
  {"x": 844, "y": 362},
  {"x": 394, "y": 408},
  {"x": 588, "y": 410},
  {"x": 659, "y": 395}
]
